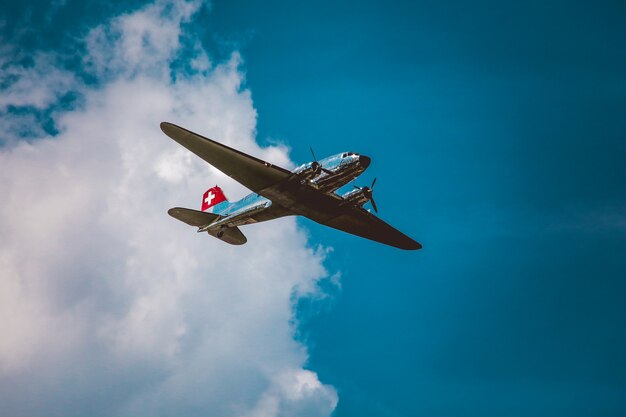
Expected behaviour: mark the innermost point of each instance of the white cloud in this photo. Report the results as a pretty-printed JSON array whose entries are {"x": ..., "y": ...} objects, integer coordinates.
[
  {"x": 139, "y": 43},
  {"x": 51, "y": 82},
  {"x": 107, "y": 305}
]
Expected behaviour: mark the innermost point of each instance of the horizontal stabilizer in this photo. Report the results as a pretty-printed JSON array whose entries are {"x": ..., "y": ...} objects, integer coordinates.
[
  {"x": 192, "y": 217},
  {"x": 197, "y": 218},
  {"x": 230, "y": 235}
]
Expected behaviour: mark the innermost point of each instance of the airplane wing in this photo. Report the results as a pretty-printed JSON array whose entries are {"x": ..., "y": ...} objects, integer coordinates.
[
  {"x": 249, "y": 171},
  {"x": 360, "y": 222}
]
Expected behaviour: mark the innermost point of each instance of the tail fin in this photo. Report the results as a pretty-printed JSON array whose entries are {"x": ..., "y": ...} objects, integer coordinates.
[{"x": 214, "y": 200}]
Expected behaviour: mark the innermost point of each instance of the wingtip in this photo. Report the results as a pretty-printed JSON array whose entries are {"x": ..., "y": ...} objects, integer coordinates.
[
  {"x": 412, "y": 246},
  {"x": 165, "y": 125},
  {"x": 173, "y": 131}
]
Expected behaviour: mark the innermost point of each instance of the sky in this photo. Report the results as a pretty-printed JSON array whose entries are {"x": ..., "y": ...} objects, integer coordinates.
[{"x": 497, "y": 135}]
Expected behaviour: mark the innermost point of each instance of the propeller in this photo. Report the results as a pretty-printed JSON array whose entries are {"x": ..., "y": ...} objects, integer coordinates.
[
  {"x": 316, "y": 165},
  {"x": 369, "y": 193}
]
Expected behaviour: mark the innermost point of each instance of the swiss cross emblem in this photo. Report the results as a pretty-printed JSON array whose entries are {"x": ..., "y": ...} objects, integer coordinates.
[
  {"x": 212, "y": 197},
  {"x": 209, "y": 197}
]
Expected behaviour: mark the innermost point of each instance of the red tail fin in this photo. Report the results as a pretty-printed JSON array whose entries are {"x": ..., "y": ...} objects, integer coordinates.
[{"x": 212, "y": 197}]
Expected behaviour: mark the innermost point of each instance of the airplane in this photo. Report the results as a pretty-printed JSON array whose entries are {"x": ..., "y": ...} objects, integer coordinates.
[{"x": 309, "y": 191}]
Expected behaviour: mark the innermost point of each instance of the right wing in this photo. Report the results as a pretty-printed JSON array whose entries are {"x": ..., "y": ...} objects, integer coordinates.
[
  {"x": 362, "y": 223},
  {"x": 249, "y": 171}
]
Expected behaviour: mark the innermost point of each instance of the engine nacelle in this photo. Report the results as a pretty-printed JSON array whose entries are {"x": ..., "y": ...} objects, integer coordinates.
[
  {"x": 309, "y": 171},
  {"x": 357, "y": 197}
]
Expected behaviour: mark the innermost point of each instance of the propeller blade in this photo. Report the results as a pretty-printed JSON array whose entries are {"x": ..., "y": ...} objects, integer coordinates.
[
  {"x": 373, "y": 204},
  {"x": 373, "y": 182},
  {"x": 328, "y": 171}
]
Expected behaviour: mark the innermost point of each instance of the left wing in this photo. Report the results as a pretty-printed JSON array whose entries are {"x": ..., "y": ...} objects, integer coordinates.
[
  {"x": 360, "y": 222},
  {"x": 249, "y": 171}
]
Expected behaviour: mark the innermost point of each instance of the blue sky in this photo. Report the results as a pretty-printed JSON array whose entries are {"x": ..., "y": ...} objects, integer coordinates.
[{"x": 497, "y": 134}]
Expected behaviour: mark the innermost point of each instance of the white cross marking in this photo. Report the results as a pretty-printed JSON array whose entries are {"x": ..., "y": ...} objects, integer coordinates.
[{"x": 209, "y": 198}]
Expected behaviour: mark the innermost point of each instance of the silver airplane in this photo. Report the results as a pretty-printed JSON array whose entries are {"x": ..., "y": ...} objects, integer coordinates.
[{"x": 309, "y": 190}]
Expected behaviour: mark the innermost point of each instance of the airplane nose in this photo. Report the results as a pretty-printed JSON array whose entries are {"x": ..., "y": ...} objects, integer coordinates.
[{"x": 364, "y": 161}]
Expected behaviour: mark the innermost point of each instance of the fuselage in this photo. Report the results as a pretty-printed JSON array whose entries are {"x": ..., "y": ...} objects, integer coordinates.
[{"x": 328, "y": 175}]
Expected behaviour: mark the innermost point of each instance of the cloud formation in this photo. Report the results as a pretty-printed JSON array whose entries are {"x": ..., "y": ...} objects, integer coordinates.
[{"x": 108, "y": 306}]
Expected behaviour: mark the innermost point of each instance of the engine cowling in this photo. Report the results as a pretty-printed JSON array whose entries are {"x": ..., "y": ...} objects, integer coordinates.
[
  {"x": 361, "y": 195},
  {"x": 357, "y": 197},
  {"x": 309, "y": 171}
]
